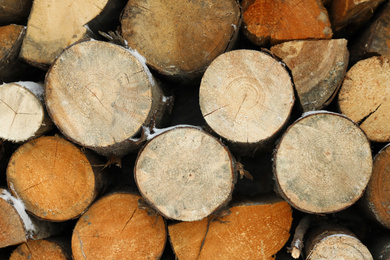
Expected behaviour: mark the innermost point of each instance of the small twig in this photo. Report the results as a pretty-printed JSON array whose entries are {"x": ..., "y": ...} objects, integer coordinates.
[{"x": 297, "y": 243}]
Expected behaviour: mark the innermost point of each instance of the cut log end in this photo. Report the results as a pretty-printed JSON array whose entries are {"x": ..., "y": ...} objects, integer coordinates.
[
  {"x": 53, "y": 178},
  {"x": 236, "y": 94},
  {"x": 45, "y": 249},
  {"x": 185, "y": 174},
  {"x": 123, "y": 230},
  {"x": 323, "y": 163}
]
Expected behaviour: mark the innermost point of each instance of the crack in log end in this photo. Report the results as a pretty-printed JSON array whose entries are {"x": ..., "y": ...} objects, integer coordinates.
[
  {"x": 361, "y": 121},
  {"x": 215, "y": 110},
  {"x": 128, "y": 221},
  {"x": 81, "y": 244}
]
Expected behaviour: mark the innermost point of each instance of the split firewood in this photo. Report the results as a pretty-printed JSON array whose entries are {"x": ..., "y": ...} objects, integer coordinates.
[
  {"x": 54, "y": 25},
  {"x": 375, "y": 40},
  {"x": 351, "y": 12},
  {"x": 334, "y": 242},
  {"x": 17, "y": 226},
  {"x": 22, "y": 111},
  {"x": 42, "y": 249},
  {"x": 246, "y": 97},
  {"x": 55, "y": 180},
  {"x": 15, "y": 11},
  {"x": 185, "y": 174},
  {"x": 318, "y": 69},
  {"x": 376, "y": 199},
  {"x": 256, "y": 230},
  {"x": 364, "y": 97},
  {"x": 180, "y": 38},
  {"x": 271, "y": 22},
  {"x": 101, "y": 95},
  {"x": 115, "y": 228},
  {"x": 11, "y": 37},
  {"x": 322, "y": 163}
]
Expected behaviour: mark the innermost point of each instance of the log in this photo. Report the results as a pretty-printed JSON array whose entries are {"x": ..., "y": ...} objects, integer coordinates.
[
  {"x": 41, "y": 249},
  {"x": 363, "y": 97},
  {"x": 15, "y": 11},
  {"x": 115, "y": 228},
  {"x": 379, "y": 246},
  {"x": 11, "y": 37},
  {"x": 17, "y": 226},
  {"x": 374, "y": 40},
  {"x": 322, "y": 163},
  {"x": 54, "y": 25},
  {"x": 256, "y": 230},
  {"x": 317, "y": 67},
  {"x": 185, "y": 174},
  {"x": 334, "y": 242},
  {"x": 55, "y": 180},
  {"x": 271, "y": 22},
  {"x": 351, "y": 12},
  {"x": 237, "y": 93},
  {"x": 180, "y": 45},
  {"x": 103, "y": 113},
  {"x": 22, "y": 111},
  {"x": 376, "y": 202}
]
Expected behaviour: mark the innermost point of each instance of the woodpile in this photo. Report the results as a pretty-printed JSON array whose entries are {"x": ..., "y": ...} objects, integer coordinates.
[{"x": 251, "y": 129}]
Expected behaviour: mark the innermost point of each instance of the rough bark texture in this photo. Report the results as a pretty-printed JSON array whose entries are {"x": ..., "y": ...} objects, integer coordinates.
[
  {"x": 100, "y": 95},
  {"x": 270, "y": 21},
  {"x": 185, "y": 173},
  {"x": 317, "y": 67},
  {"x": 236, "y": 94},
  {"x": 180, "y": 38},
  {"x": 322, "y": 163},
  {"x": 11, "y": 37},
  {"x": 329, "y": 242},
  {"x": 351, "y": 12},
  {"x": 22, "y": 111},
  {"x": 40, "y": 249},
  {"x": 115, "y": 228},
  {"x": 251, "y": 231},
  {"x": 14, "y": 11},
  {"x": 364, "y": 97},
  {"x": 53, "y": 178}
]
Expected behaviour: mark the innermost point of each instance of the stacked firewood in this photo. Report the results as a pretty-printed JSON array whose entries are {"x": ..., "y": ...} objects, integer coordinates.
[{"x": 167, "y": 129}]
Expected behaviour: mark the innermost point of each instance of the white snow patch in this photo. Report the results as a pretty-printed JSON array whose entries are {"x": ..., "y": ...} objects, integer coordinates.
[
  {"x": 150, "y": 134},
  {"x": 34, "y": 87},
  {"x": 142, "y": 60},
  {"x": 21, "y": 209},
  {"x": 234, "y": 27}
]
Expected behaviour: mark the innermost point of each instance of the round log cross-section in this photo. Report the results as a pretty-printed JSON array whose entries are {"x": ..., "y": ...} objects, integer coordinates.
[
  {"x": 99, "y": 95},
  {"x": 53, "y": 178},
  {"x": 185, "y": 173},
  {"x": 323, "y": 163},
  {"x": 246, "y": 97}
]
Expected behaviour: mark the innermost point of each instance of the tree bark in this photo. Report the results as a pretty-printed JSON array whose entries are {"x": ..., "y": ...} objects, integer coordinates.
[
  {"x": 256, "y": 230},
  {"x": 364, "y": 97},
  {"x": 114, "y": 227},
  {"x": 22, "y": 111},
  {"x": 178, "y": 46},
  {"x": 54, "y": 25},
  {"x": 14, "y": 11},
  {"x": 334, "y": 242},
  {"x": 322, "y": 163},
  {"x": 17, "y": 226},
  {"x": 271, "y": 22},
  {"x": 185, "y": 174},
  {"x": 54, "y": 179},
  {"x": 376, "y": 202},
  {"x": 236, "y": 93},
  {"x": 101, "y": 95},
  {"x": 318, "y": 69},
  {"x": 41, "y": 249},
  {"x": 11, "y": 37}
]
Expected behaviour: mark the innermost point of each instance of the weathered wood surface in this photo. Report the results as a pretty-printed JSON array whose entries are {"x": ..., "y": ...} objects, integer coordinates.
[
  {"x": 180, "y": 38},
  {"x": 322, "y": 163},
  {"x": 256, "y": 230},
  {"x": 246, "y": 97},
  {"x": 318, "y": 68},
  {"x": 53, "y": 178},
  {"x": 40, "y": 249},
  {"x": 271, "y": 22},
  {"x": 115, "y": 228},
  {"x": 364, "y": 97},
  {"x": 185, "y": 174}
]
